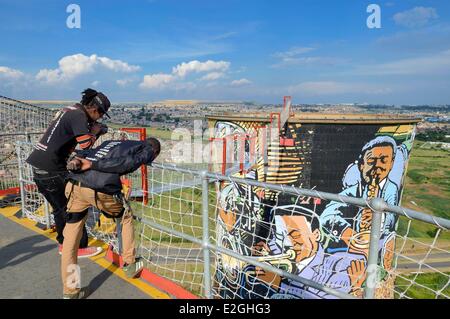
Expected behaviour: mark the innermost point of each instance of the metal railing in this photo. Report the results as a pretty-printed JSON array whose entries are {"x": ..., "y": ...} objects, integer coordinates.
[
  {"x": 19, "y": 121},
  {"x": 184, "y": 210},
  {"x": 200, "y": 183},
  {"x": 17, "y": 116},
  {"x": 9, "y": 170},
  {"x": 377, "y": 205}
]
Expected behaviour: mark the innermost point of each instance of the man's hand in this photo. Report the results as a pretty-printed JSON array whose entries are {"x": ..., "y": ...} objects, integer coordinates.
[
  {"x": 260, "y": 249},
  {"x": 268, "y": 277},
  {"x": 85, "y": 164},
  {"x": 74, "y": 165},
  {"x": 79, "y": 164},
  {"x": 357, "y": 274},
  {"x": 99, "y": 129}
]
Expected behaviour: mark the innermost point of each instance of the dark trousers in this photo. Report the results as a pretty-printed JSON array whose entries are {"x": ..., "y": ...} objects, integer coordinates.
[{"x": 52, "y": 185}]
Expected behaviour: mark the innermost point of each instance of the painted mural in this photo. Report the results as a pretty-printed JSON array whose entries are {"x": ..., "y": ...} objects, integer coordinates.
[{"x": 323, "y": 241}]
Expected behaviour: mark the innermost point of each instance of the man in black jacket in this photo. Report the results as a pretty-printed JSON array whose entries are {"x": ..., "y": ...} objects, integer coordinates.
[
  {"x": 72, "y": 126},
  {"x": 94, "y": 180}
]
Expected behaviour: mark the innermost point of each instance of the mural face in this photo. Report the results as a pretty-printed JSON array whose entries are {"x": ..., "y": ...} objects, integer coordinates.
[{"x": 326, "y": 242}]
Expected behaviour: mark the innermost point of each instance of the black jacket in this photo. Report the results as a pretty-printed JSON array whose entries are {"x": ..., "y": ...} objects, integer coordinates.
[
  {"x": 53, "y": 149},
  {"x": 110, "y": 160}
]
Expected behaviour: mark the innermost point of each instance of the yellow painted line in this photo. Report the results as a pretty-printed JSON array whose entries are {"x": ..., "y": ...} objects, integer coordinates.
[
  {"x": 155, "y": 293},
  {"x": 99, "y": 259},
  {"x": 9, "y": 211},
  {"x": 31, "y": 225}
]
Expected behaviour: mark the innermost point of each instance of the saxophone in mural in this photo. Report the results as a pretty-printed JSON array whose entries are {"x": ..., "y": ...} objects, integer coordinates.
[{"x": 326, "y": 242}]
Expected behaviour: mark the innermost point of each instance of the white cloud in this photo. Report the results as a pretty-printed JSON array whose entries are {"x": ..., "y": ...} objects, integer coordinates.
[
  {"x": 224, "y": 35},
  {"x": 416, "y": 17},
  {"x": 124, "y": 82},
  {"x": 426, "y": 65},
  {"x": 156, "y": 81},
  {"x": 429, "y": 39},
  {"x": 50, "y": 76},
  {"x": 78, "y": 64},
  {"x": 211, "y": 84},
  {"x": 179, "y": 72},
  {"x": 95, "y": 83},
  {"x": 295, "y": 51},
  {"x": 11, "y": 74},
  {"x": 319, "y": 88},
  {"x": 315, "y": 60},
  {"x": 241, "y": 82},
  {"x": 294, "y": 57},
  {"x": 183, "y": 69},
  {"x": 117, "y": 65},
  {"x": 212, "y": 76},
  {"x": 184, "y": 86},
  {"x": 12, "y": 80}
]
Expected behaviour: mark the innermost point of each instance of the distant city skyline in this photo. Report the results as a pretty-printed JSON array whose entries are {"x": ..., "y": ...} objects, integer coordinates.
[
  {"x": 153, "y": 50},
  {"x": 200, "y": 102}
]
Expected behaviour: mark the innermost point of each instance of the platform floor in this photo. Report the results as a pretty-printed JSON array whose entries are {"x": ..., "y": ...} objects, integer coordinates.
[{"x": 30, "y": 268}]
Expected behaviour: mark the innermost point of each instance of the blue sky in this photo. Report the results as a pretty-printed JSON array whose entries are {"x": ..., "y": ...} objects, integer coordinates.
[{"x": 316, "y": 51}]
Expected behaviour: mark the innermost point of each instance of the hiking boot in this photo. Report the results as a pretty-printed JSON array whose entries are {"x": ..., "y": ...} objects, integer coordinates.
[
  {"x": 85, "y": 252},
  {"x": 83, "y": 293},
  {"x": 132, "y": 270}
]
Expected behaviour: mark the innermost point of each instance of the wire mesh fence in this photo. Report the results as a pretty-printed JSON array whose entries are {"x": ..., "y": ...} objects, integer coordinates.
[
  {"x": 20, "y": 117},
  {"x": 291, "y": 238},
  {"x": 175, "y": 201},
  {"x": 19, "y": 121},
  {"x": 9, "y": 171},
  {"x": 420, "y": 261},
  {"x": 21, "y": 125},
  {"x": 9, "y": 176},
  {"x": 34, "y": 205},
  {"x": 238, "y": 238}
]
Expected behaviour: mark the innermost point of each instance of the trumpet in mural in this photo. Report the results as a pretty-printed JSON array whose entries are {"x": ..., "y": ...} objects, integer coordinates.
[{"x": 326, "y": 242}]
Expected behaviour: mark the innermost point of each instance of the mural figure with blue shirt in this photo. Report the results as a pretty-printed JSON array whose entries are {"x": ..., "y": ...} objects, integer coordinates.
[{"x": 375, "y": 162}]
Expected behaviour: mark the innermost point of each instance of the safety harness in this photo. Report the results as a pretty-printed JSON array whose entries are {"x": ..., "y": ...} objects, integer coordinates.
[{"x": 118, "y": 198}]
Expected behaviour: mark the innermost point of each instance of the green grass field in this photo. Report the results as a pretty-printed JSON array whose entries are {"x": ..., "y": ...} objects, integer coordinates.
[
  {"x": 427, "y": 189},
  {"x": 180, "y": 210},
  {"x": 424, "y": 286}
]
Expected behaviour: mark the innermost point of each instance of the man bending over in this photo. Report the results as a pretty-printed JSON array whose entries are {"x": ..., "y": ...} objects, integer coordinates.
[{"x": 94, "y": 180}]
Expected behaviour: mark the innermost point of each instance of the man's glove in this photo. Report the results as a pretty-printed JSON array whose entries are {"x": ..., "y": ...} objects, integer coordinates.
[
  {"x": 74, "y": 165},
  {"x": 79, "y": 165}
]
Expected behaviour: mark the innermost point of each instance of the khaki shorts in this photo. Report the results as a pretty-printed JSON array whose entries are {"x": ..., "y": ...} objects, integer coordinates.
[{"x": 81, "y": 198}]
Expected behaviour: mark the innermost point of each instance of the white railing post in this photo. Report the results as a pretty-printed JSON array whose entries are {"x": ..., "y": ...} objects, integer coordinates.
[
  {"x": 22, "y": 189},
  {"x": 378, "y": 206},
  {"x": 205, "y": 237},
  {"x": 47, "y": 214}
]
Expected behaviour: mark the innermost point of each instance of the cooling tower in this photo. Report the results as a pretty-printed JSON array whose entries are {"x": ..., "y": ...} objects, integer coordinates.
[{"x": 354, "y": 155}]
